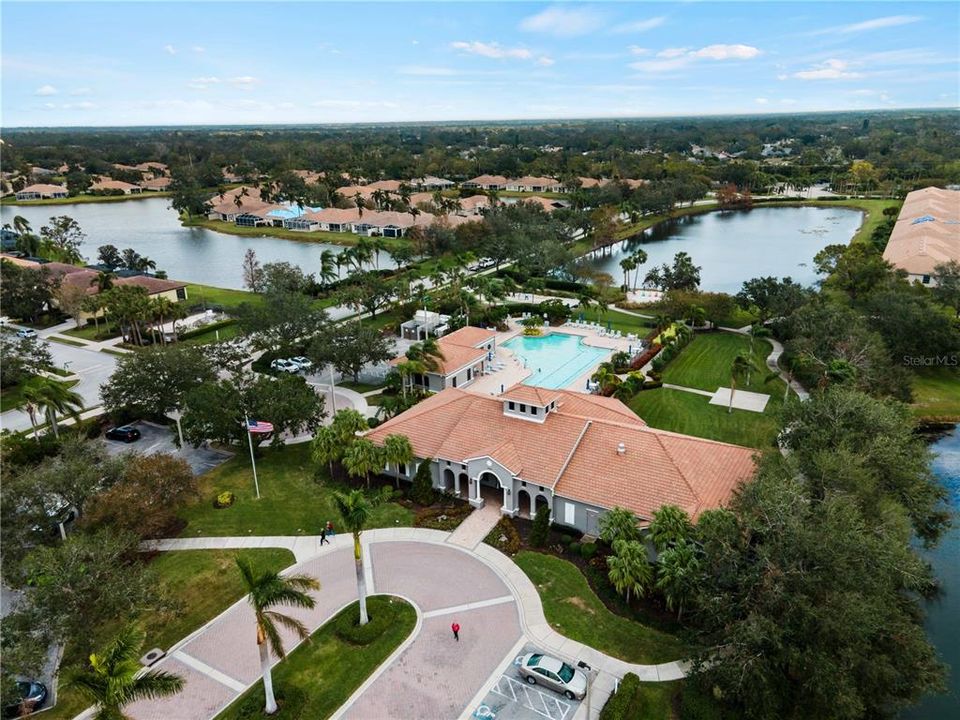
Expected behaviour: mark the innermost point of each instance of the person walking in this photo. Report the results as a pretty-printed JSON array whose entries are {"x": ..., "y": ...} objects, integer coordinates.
[
  {"x": 456, "y": 630},
  {"x": 323, "y": 537},
  {"x": 329, "y": 528}
]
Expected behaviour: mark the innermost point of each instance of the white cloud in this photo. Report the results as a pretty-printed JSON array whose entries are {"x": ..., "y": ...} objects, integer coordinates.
[
  {"x": 170, "y": 49},
  {"x": 244, "y": 82},
  {"x": 867, "y": 25},
  {"x": 349, "y": 104},
  {"x": 564, "y": 21},
  {"x": 677, "y": 58},
  {"x": 45, "y": 91},
  {"x": 426, "y": 70},
  {"x": 202, "y": 83},
  {"x": 545, "y": 61},
  {"x": 788, "y": 101},
  {"x": 81, "y": 91},
  {"x": 637, "y": 50},
  {"x": 832, "y": 69},
  {"x": 198, "y": 49},
  {"x": 83, "y": 105},
  {"x": 638, "y": 26},
  {"x": 761, "y": 101},
  {"x": 491, "y": 50},
  {"x": 414, "y": 42}
]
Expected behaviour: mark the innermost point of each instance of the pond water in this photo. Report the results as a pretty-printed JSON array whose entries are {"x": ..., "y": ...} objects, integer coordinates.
[
  {"x": 153, "y": 229},
  {"x": 736, "y": 246},
  {"x": 943, "y": 614}
]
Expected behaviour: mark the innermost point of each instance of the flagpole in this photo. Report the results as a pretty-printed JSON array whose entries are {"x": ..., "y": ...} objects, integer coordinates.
[{"x": 253, "y": 462}]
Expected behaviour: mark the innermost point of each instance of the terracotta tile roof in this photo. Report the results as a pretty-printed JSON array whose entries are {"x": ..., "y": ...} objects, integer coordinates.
[
  {"x": 474, "y": 202},
  {"x": 160, "y": 183},
  {"x": 44, "y": 189},
  {"x": 927, "y": 231},
  {"x": 576, "y": 453},
  {"x": 531, "y": 181},
  {"x": 531, "y": 394},
  {"x": 151, "y": 284},
  {"x": 468, "y": 336},
  {"x": 488, "y": 180},
  {"x": 108, "y": 184},
  {"x": 455, "y": 357},
  {"x": 545, "y": 203},
  {"x": 589, "y": 182}
]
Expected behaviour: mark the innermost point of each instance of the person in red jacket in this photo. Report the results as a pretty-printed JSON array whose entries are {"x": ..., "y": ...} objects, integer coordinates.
[{"x": 456, "y": 631}]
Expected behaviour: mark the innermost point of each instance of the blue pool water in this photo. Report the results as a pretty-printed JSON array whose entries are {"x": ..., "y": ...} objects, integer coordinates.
[{"x": 556, "y": 359}]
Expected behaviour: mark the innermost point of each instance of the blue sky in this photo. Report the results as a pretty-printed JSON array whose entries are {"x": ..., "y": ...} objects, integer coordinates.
[{"x": 148, "y": 63}]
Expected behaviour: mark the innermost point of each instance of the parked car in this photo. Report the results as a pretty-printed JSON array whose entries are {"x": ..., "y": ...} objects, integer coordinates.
[
  {"x": 32, "y": 696},
  {"x": 124, "y": 433},
  {"x": 555, "y": 674},
  {"x": 26, "y": 333},
  {"x": 284, "y": 366},
  {"x": 301, "y": 362}
]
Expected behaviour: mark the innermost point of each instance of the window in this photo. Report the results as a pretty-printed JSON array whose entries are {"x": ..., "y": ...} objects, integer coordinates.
[
  {"x": 469, "y": 374},
  {"x": 926, "y": 279},
  {"x": 511, "y": 406},
  {"x": 181, "y": 293},
  {"x": 454, "y": 380},
  {"x": 533, "y": 410},
  {"x": 523, "y": 407},
  {"x": 569, "y": 513}
]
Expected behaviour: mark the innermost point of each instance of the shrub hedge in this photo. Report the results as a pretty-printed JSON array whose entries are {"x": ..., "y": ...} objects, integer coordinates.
[
  {"x": 625, "y": 703},
  {"x": 382, "y": 612}
]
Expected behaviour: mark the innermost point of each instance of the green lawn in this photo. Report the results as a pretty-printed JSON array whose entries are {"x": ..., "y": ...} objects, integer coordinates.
[
  {"x": 92, "y": 332},
  {"x": 936, "y": 393},
  {"x": 690, "y": 414},
  {"x": 574, "y": 610},
  {"x": 220, "y": 334},
  {"x": 618, "y": 320},
  {"x": 206, "y": 583},
  {"x": 705, "y": 363},
  {"x": 360, "y": 387},
  {"x": 85, "y": 199},
  {"x": 321, "y": 674},
  {"x": 209, "y": 295},
  {"x": 292, "y": 502}
]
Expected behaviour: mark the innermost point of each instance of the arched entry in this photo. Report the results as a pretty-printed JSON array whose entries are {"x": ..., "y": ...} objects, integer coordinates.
[
  {"x": 448, "y": 480},
  {"x": 490, "y": 489},
  {"x": 523, "y": 503},
  {"x": 540, "y": 502},
  {"x": 463, "y": 484}
]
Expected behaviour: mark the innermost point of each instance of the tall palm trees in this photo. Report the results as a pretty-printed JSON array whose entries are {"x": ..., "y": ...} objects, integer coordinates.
[
  {"x": 265, "y": 591},
  {"x": 362, "y": 458},
  {"x": 628, "y": 568},
  {"x": 354, "y": 509},
  {"x": 397, "y": 450},
  {"x": 113, "y": 678},
  {"x": 740, "y": 370},
  {"x": 328, "y": 268},
  {"x": 52, "y": 397}
]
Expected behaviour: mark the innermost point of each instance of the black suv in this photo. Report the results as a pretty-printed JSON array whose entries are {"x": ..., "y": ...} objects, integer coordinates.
[{"x": 125, "y": 434}]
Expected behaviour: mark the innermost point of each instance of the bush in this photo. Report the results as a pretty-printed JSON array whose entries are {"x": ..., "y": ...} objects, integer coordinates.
[
  {"x": 624, "y": 704},
  {"x": 504, "y": 537},
  {"x": 566, "y": 539},
  {"x": 445, "y": 518},
  {"x": 697, "y": 704},
  {"x": 373, "y": 422},
  {"x": 206, "y": 328},
  {"x": 224, "y": 499},
  {"x": 382, "y": 612},
  {"x": 290, "y": 699},
  {"x": 574, "y": 547},
  {"x": 588, "y": 550},
  {"x": 422, "y": 491},
  {"x": 646, "y": 356},
  {"x": 541, "y": 527}
]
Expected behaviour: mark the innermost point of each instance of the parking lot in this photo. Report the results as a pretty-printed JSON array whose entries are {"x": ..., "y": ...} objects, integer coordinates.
[
  {"x": 511, "y": 698},
  {"x": 159, "y": 439}
]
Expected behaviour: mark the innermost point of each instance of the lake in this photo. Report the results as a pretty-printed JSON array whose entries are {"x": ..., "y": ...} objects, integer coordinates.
[
  {"x": 735, "y": 246},
  {"x": 943, "y": 614},
  {"x": 153, "y": 229}
]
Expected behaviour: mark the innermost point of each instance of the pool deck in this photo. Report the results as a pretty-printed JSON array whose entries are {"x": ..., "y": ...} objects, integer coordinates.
[{"x": 514, "y": 372}]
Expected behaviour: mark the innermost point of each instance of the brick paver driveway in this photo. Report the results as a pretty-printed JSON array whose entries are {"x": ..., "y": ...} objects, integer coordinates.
[{"x": 433, "y": 678}]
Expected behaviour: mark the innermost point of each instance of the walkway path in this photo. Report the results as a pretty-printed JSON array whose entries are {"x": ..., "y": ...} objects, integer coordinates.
[
  {"x": 494, "y": 601},
  {"x": 773, "y": 361}
]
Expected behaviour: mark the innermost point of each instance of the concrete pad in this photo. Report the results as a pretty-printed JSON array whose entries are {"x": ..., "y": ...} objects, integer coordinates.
[{"x": 742, "y": 400}]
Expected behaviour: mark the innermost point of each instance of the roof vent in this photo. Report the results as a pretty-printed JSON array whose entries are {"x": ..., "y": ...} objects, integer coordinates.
[{"x": 621, "y": 449}]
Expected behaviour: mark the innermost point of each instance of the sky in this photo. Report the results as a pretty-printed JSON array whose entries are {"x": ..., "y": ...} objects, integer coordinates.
[{"x": 179, "y": 63}]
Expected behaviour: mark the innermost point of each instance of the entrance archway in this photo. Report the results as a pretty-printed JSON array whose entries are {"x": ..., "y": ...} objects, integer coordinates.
[
  {"x": 463, "y": 484},
  {"x": 448, "y": 480},
  {"x": 490, "y": 489},
  {"x": 540, "y": 502},
  {"x": 523, "y": 503}
]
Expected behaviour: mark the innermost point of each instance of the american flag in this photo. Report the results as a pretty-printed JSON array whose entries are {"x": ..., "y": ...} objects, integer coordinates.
[{"x": 258, "y": 426}]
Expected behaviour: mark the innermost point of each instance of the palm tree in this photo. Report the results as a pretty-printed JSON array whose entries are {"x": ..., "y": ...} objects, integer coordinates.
[
  {"x": 740, "y": 369},
  {"x": 361, "y": 458},
  {"x": 177, "y": 312},
  {"x": 32, "y": 409},
  {"x": 629, "y": 570},
  {"x": 670, "y": 524},
  {"x": 52, "y": 397},
  {"x": 397, "y": 450},
  {"x": 163, "y": 308},
  {"x": 113, "y": 678},
  {"x": 605, "y": 378},
  {"x": 328, "y": 264},
  {"x": 327, "y": 447},
  {"x": 431, "y": 354},
  {"x": 639, "y": 257},
  {"x": 359, "y": 203},
  {"x": 627, "y": 264},
  {"x": 21, "y": 224},
  {"x": 103, "y": 280},
  {"x": 677, "y": 571},
  {"x": 265, "y": 591},
  {"x": 354, "y": 509}
]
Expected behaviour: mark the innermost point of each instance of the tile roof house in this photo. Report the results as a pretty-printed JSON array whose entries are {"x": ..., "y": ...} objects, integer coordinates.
[
  {"x": 156, "y": 184},
  {"x": 580, "y": 454},
  {"x": 42, "y": 192},
  {"x": 487, "y": 182},
  {"x": 465, "y": 354},
  {"x": 431, "y": 182},
  {"x": 926, "y": 234},
  {"x": 107, "y": 185},
  {"x": 535, "y": 184}
]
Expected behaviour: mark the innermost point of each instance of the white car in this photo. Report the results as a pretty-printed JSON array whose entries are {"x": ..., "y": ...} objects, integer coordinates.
[
  {"x": 284, "y": 366},
  {"x": 26, "y": 333},
  {"x": 302, "y": 362},
  {"x": 537, "y": 668}
]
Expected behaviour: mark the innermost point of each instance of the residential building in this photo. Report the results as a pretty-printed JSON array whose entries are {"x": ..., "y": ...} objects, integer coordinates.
[
  {"x": 157, "y": 184},
  {"x": 424, "y": 324},
  {"x": 42, "y": 192},
  {"x": 465, "y": 354},
  {"x": 487, "y": 182},
  {"x": 589, "y": 182},
  {"x": 431, "y": 183},
  {"x": 106, "y": 185},
  {"x": 474, "y": 205},
  {"x": 579, "y": 454},
  {"x": 927, "y": 233},
  {"x": 535, "y": 184}
]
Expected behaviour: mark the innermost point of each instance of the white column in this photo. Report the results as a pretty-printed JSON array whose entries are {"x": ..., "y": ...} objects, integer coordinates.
[{"x": 506, "y": 501}]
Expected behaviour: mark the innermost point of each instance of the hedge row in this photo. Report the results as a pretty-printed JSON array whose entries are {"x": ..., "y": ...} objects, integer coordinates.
[
  {"x": 671, "y": 351},
  {"x": 625, "y": 703},
  {"x": 382, "y": 614},
  {"x": 206, "y": 328}
]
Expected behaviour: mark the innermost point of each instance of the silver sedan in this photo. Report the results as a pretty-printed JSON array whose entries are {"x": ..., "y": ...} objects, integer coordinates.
[{"x": 538, "y": 669}]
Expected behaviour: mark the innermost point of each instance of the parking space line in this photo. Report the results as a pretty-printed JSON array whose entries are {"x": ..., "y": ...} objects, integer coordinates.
[
  {"x": 210, "y": 672},
  {"x": 469, "y": 606},
  {"x": 541, "y": 703}
]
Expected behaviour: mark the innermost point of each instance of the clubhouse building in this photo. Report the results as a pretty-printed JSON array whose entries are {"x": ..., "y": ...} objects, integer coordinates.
[
  {"x": 579, "y": 454},
  {"x": 927, "y": 233}
]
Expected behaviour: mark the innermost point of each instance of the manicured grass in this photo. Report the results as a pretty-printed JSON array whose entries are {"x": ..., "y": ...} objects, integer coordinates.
[
  {"x": 112, "y": 351},
  {"x": 12, "y": 397},
  {"x": 292, "y": 501},
  {"x": 209, "y": 295},
  {"x": 705, "y": 363},
  {"x": 618, "y": 320},
  {"x": 91, "y": 332},
  {"x": 690, "y": 414},
  {"x": 319, "y": 675},
  {"x": 66, "y": 341},
  {"x": 574, "y": 610},
  {"x": 220, "y": 334},
  {"x": 205, "y": 582},
  {"x": 936, "y": 393},
  {"x": 85, "y": 199},
  {"x": 385, "y": 318},
  {"x": 359, "y": 386}
]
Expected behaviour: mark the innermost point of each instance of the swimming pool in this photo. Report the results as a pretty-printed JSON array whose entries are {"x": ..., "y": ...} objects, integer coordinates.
[{"x": 557, "y": 359}]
